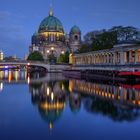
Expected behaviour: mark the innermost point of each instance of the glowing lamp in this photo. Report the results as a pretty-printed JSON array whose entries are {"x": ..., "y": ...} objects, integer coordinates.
[{"x": 52, "y": 48}]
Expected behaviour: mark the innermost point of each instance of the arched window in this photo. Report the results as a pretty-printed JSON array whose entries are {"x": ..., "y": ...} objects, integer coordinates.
[
  {"x": 76, "y": 37},
  {"x": 51, "y": 37}
]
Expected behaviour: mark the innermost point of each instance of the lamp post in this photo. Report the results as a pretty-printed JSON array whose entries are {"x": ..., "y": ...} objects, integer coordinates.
[{"x": 52, "y": 55}]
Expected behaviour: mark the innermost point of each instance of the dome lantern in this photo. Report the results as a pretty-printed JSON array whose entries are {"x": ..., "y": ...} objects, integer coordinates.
[{"x": 51, "y": 11}]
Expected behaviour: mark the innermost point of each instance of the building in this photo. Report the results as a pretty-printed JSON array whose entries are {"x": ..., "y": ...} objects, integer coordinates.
[
  {"x": 1, "y": 55},
  {"x": 121, "y": 54},
  {"x": 52, "y": 39}
]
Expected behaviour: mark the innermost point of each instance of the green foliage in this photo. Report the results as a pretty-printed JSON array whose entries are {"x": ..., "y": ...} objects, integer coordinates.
[
  {"x": 138, "y": 42},
  {"x": 106, "y": 39},
  {"x": 35, "y": 56},
  {"x": 84, "y": 48},
  {"x": 52, "y": 58},
  {"x": 128, "y": 33},
  {"x": 63, "y": 58}
]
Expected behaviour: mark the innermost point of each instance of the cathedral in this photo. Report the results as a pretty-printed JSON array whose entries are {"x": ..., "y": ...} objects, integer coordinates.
[{"x": 52, "y": 39}]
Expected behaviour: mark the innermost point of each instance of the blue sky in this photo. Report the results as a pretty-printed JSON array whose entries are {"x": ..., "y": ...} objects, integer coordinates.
[{"x": 19, "y": 19}]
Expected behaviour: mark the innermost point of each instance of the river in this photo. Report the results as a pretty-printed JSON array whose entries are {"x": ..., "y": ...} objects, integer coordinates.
[{"x": 35, "y": 106}]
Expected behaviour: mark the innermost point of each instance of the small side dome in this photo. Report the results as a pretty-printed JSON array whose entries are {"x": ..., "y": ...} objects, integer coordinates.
[{"x": 75, "y": 30}]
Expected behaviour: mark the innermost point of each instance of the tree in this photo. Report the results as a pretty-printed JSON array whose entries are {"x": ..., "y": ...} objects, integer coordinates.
[
  {"x": 98, "y": 41},
  {"x": 126, "y": 34},
  {"x": 106, "y": 39},
  {"x": 84, "y": 48},
  {"x": 63, "y": 58},
  {"x": 35, "y": 56},
  {"x": 88, "y": 38},
  {"x": 52, "y": 58}
]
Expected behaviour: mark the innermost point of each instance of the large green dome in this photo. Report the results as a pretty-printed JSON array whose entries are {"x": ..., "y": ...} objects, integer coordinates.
[{"x": 50, "y": 24}]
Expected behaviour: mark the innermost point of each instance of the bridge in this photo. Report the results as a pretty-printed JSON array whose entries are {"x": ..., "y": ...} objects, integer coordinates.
[{"x": 47, "y": 66}]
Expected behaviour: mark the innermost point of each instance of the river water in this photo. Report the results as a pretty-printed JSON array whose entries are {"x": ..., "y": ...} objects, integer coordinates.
[{"x": 33, "y": 106}]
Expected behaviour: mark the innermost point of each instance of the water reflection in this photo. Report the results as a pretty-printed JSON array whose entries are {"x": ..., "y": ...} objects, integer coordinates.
[
  {"x": 53, "y": 93},
  {"x": 1, "y": 87},
  {"x": 117, "y": 102},
  {"x": 13, "y": 76},
  {"x": 125, "y": 95},
  {"x": 75, "y": 102},
  {"x": 49, "y": 99},
  {"x": 20, "y": 76}
]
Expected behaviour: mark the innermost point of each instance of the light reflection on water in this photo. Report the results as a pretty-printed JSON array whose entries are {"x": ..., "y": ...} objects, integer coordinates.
[{"x": 69, "y": 105}]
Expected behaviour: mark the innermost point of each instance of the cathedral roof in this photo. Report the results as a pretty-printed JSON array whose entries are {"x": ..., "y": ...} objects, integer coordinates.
[
  {"x": 51, "y": 23},
  {"x": 75, "y": 29}
]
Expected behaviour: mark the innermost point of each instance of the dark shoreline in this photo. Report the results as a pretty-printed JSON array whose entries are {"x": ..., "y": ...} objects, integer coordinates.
[{"x": 95, "y": 75}]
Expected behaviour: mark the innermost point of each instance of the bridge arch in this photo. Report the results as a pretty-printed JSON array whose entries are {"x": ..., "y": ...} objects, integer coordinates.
[{"x": 27, "y": 63}]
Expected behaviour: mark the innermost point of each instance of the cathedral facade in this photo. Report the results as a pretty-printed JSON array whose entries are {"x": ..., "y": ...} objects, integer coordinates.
[{"x": 52, "y": 39}]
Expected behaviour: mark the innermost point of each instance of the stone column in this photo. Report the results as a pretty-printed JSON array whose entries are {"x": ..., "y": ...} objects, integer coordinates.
[
  {"x": 103, "y": 58},
  {"x": 122, "y": 57},
  {"x": 93, "y": 59},
  {"x": 100, "y": 59},
  {"x": 136, "y": 56},
  {"x": 111, "y": 58},
  {"x": 130, "y": 56},
  {"x": 107, "y": 58},
  {"x": 115, "y": 57}
]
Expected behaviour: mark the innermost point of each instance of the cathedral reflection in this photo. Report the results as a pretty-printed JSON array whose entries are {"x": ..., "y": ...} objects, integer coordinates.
[
  {"x": 75, "y": 102},
  {"x": 49, "y": 99}
]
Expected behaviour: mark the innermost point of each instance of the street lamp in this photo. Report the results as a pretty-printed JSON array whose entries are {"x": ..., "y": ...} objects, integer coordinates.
[
  {"x": 62, "y": 52},
  {"x": 52, "y": 48},
  {"x": 48, "y": 51},
  {"x": 53, "y": 59}
]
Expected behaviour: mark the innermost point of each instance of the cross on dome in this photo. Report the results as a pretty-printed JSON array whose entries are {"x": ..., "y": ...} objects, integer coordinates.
[{"x": 51, "y": 10}]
